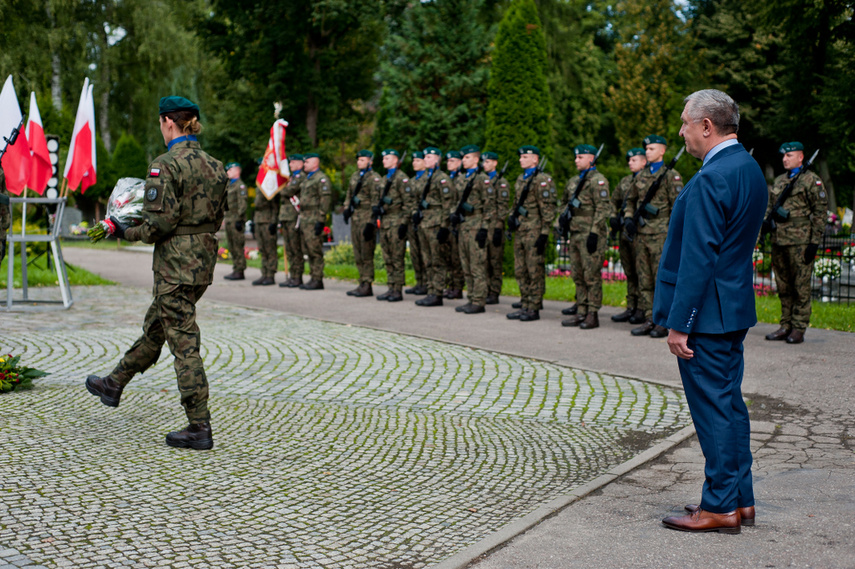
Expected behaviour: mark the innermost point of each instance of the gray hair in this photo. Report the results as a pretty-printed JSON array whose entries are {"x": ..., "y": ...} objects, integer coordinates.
[{"x": 715, "y": 105}]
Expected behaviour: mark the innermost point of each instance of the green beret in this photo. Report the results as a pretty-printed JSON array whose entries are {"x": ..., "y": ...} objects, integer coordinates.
[
  {"x": 365, "y": 154},
  {"x": 655, "y": 139},
  {"x": 172, "y": 104},
  {"x": 453, "y": 154},
  {"x": 418, "y": 154},
  {"x": 490, "y": 156},
  {"x": 469, "y": 149},
  {"x": 232, "y": 165},
  {"x": 433, "y": 150},
  {"x": 296, "y": 157},
  {"x": 529, "y": 149},
  {"x": 390, "y": 152},
  {"x": 308, "y": 155},
  {"x": 635, "y": 152},
  {"x": 791, "y": 146},
  {"x": 585, "y": 149}
]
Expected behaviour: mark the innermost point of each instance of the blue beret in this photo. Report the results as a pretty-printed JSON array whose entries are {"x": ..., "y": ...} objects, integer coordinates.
[
  {"x": 791, "y": 146},
  {"x": 655, "y": 139},
  {"x": 173, "y": 104}
]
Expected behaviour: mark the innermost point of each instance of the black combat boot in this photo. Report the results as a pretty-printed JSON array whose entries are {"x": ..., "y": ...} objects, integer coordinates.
[
  {"x": 592, "y": 320},
  {"x": 108, "y": 390},
  {"x": 364, "y": 289},
  {"x": 644, "y": 329},
  {"x": 515, "y": 315},
  {"x": 263, "y": 281},
  {"x": 235, "y": 276},
  {"x": 473, "y": 309},
  {"x": 659, "y": 332},
  {"x": 624, "y": 316},
  {"x": 517, "y": 305},
  {"x": 385, "y": 295},
  {"x": 796, "y": 337},
  {"x": 419, "y": 289},
  {"x": 571, "y": 310},
  {"x": 196, "y": 436},
  {"x": 430, "y": 300},
  {"x": 395, "y": 296},
  {"x": 462, "y": 307},
  {"x": 530, "y": 316},
  {"x": 637, "y": 317},
  {"x": 454, "y": 294},
  {"x": 313, "y": 285},
  {"x": 492, "y": 299},
  {"x": 574, "y": 320},
  {"x": 780, "y": 334}
]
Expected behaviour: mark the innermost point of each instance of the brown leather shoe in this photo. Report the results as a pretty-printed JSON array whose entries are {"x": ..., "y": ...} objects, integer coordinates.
[
  {"x": 778, "y": 335},
  {"x": 644, "y": 329},
  {"x": 701, "y": 520},
  {"x": 745, "y": 514},
  {"x": 659, "y": 332},
  {"x": 235, "y": 276},
  {"x": 796, "y": 337},
  {"x": 592, "y": 320},
  {"x": 108, "y": 390},
  {"x": 196, "y": 436},
  {"x": 623, "y": 316},
  {"x": 637, "y": 317},
  {"x": 573, "y": 320}
]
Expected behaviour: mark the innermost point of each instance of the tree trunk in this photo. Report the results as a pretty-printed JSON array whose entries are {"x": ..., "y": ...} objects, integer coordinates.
[
  {"x": 825, "y": 174},
  {"x": 312, "y": 119},
  {"x": 105, "y": 92},
  {"x": 55, "y": 64}
]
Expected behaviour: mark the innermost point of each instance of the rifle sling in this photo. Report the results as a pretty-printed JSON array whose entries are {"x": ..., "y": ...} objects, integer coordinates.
[
  {"x": 426, "y": 190},
  {"x": 356, "y": 189},
  {"x": 651, "y": 192},
  {"x": 467, "y": 191}
]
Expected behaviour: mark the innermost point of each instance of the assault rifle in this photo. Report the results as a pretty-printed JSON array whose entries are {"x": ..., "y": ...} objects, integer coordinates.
[
  {"x": 378, "y": 211},
  {"x": 514, "y": 218},
  {"x": 10, "y": 140},
  {"x": 501, "y": 175},
  {"x": 778, "y": 213},
  {"x": 463, "y": 207},
  {"x": 644, "y": 207},
  {"x": 419, "y": 215},
  {"x": 354, "y": 200},
  {"x": 573, "y": 203}
]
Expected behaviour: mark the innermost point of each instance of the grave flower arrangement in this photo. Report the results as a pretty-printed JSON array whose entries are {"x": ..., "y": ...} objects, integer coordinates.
[
  {"x": 14, "y": 376},
  {"x": 125, "y": 204},
  {"x": 826, "y": 268}
]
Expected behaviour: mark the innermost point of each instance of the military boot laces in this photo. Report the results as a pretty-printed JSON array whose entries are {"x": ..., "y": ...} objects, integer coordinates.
[{"x": 197, "y": 436}]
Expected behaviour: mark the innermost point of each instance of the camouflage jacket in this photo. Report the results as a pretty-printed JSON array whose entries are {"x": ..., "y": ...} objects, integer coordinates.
[
  {"x": 439, "y": 198},
  {"x": 481, "y": 200},
  {"x": 396, "y": 199},
  {"x": 315, "y": 195},
  {"x": 807, "y": 204},
  {"x": 287, "y": 210},
  {"x": 502, "y": 193},
  {"x": 619, "y": 194},
  {"x": 266, "y": 211},
  {"x": 236, "y": 191},
  {"x": 594, "y": 209},
  {"x": 538, "y": 209},
  {"x": 663, "y": 200},
  {"x": 368, "y": 196},
  {"x": 5, "y": 216},
  {"x": 185, "y": 196}
]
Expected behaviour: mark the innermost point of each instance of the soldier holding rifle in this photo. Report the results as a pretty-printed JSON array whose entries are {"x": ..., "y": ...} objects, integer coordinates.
[
  {"x": 496, "y": 244},
  {"x": 362, "y": 193},
  {"x": 636, "y": 160}
]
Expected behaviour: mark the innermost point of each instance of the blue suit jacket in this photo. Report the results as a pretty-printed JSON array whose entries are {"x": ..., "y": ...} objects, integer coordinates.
[{"x": 705, "y": 278}]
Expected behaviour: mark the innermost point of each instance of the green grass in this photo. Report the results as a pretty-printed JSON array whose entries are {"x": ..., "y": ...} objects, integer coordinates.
[{"x": 38, "y": 273}]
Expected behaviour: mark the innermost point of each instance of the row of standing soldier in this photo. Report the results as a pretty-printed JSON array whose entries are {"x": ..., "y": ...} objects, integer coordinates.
[{"x": 454, "y": 222}]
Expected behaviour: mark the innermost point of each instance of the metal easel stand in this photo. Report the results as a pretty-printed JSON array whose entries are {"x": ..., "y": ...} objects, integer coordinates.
[{"x": 52, "y": 238}]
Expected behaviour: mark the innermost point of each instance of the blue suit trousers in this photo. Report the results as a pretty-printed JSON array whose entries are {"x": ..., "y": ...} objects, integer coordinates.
[{"x": 713, "y": 383}]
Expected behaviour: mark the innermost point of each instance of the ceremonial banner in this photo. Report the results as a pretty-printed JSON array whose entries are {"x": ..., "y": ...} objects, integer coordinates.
[
  {"x": 40, "y": 166},
  {"x": 80, "y": 164},
  {"x": 16, "y": 160},
  {"x": 273, "y": 170}
]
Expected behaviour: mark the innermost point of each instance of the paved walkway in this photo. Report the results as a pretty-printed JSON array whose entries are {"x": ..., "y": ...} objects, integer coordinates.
[{"x": 370, "y": 462}]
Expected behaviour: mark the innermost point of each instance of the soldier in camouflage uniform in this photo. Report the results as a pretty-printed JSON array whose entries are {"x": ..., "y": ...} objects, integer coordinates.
[
  {"x": 795, "y": 240},
  {"x": 454, "y": 278},
  {"x": 289, "y": 212},
  {"x": 649, "y": 238},
  {"x": 235, "y": 221},
  {"x": 537, "y": 213},
  {"x": 436, "y": 199},
  {"x": 588, "y": 236},
  {"x": 315, "y": 195},
  {"x": 496, "y": 244},
  {"x": 637, "y": 161},
  {"x": 419, "y": 270},
  {"x": 363, "y": 193},
  {"x": 471, "y": 218},
  {"x": 185, "y": 201},
  {"x": 5, "y": 216},
  {"x": 394, "y": 218},
  {"x": 266, "y": 229}
]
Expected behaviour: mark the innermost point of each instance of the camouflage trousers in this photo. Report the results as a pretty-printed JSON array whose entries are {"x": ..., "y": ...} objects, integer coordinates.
[
  {"x": 530, "y": 270},
  {"x": 792, "y": 277},
  {"x": 293, "y": 242},
  {"x": 363, "y": 250},
  {"x": 237, "y": 241},
  {"x": 394, "y": 252},
  {"x": 587, "y": 271},
  {"x": 416, "y": 257},
  {"x": 454, "y": 278},
  {"x": 267, "y": 247},
  {"x": 313, "y": 245},
  {"x": 627, "y": 261},
  {"x": 648, "y": 251},
  {"x": 473, "y": 259},
  {"x": 171, "y": 319},
  {"x": 495, "y": 264},
  {"x": 434, "y": 259}
]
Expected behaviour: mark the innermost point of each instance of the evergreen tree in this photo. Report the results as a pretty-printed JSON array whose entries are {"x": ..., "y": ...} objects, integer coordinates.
[{"x": 129, "y": 159}]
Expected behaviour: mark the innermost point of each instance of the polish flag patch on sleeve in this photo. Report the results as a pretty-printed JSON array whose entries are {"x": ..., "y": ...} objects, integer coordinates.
[{"x": 154, "y": 173}]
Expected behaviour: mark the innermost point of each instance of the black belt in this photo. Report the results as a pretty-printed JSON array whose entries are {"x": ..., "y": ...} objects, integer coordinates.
[{"x": 195, "y": 229}]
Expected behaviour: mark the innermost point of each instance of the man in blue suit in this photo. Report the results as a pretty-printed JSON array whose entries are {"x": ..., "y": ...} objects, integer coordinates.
[{"x": 705, "y": 296}]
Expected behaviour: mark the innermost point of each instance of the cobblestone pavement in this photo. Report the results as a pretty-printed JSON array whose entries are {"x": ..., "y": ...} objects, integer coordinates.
[{"x": 335, "y": 446}]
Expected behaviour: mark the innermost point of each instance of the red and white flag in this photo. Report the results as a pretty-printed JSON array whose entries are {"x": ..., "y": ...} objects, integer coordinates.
[
  {"x": 273, "y": 170},
  {"x": 80, "y": 164},
  {"x": 40, "y": 166},
  {"x": 16, "y": 160}
]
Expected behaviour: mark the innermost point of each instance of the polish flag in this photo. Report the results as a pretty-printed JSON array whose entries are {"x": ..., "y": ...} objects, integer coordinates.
[
  {"x": 40, "y": 166},
  {"x": 16, "y": 160},
  {"x": 274, "y": 171},
  {"x": 80, "y": 164}
]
